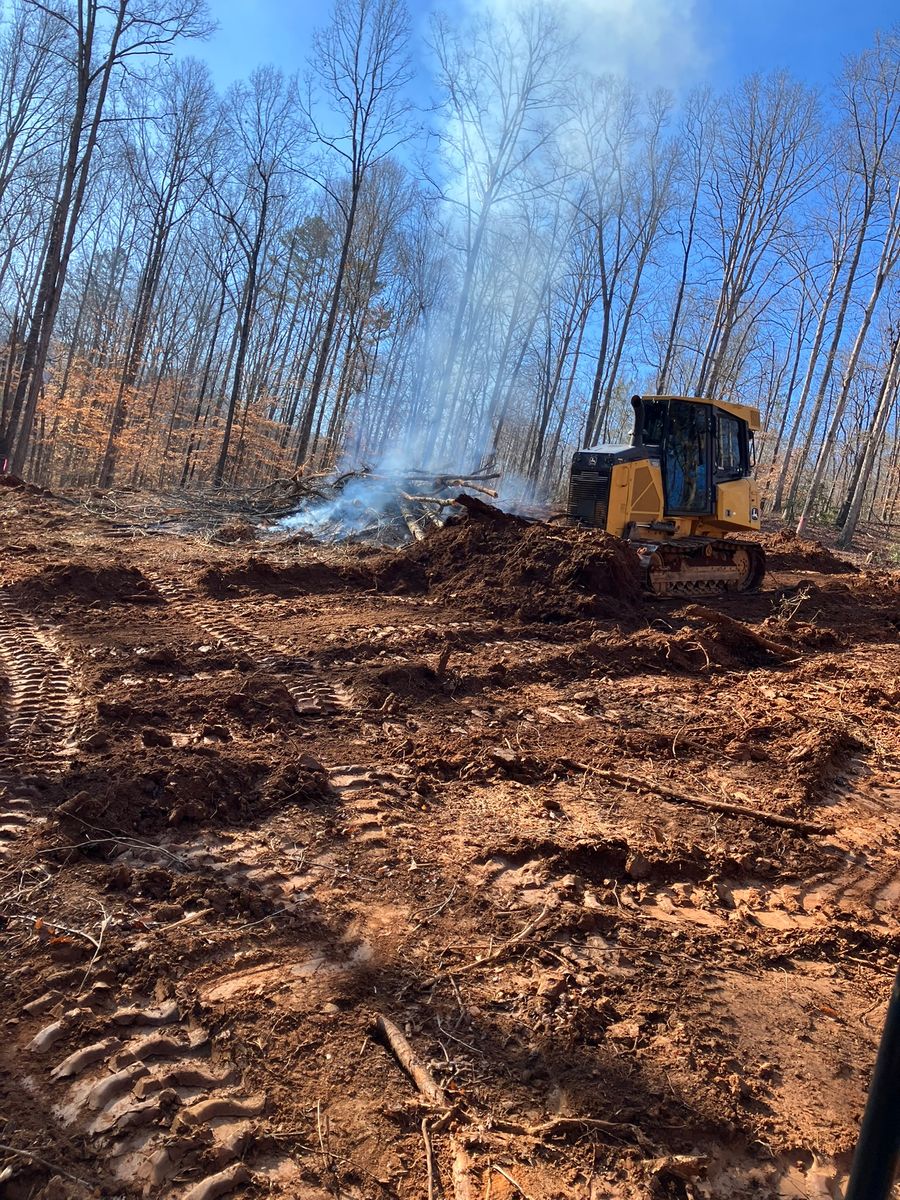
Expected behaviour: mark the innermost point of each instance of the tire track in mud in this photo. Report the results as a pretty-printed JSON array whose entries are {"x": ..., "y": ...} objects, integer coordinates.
[
  {"x": 39, "y": 716},
  {"x": 312, "y": 695},
  {"x": 148, "y": 1088}
]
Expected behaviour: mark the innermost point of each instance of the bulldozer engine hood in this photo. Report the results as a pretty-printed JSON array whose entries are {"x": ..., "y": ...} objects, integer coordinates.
[{"x": 591, "y": 457}]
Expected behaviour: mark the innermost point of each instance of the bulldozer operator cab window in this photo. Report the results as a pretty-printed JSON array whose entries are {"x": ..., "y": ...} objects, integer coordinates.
[
  {"x": 652, "y": 415},
  {"x": 685, "y": 453},
  {"x": 730, "y": 456}
]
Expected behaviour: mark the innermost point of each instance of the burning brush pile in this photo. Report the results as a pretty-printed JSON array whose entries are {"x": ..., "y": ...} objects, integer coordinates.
[{"x": 381, "y": 508}]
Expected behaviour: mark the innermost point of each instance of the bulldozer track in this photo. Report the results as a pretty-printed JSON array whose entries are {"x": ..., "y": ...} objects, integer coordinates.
[
  {"x": 262, "y": 867},
  {"x": 40, "y": 711},
  {"x": 312, "y": 695},
  {"x": 39, "y": 716},
  {"x": 689, "y": 567}
]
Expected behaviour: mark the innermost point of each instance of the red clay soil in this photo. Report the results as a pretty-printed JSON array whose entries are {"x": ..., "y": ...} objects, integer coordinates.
[
  {"x": 786, "y": 552},
  {"x": 620, "y": 876}
]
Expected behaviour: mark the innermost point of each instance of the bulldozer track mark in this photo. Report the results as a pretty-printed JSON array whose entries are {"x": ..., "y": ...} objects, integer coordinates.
[
  {"x": 39, "y": 716},
  {"x": 40, "y": 711},
  {"x": 146, "y": 1087},
  {"x": 312, "y": 695},
  {"x": 375, "y": 803},
  {"x": 266, "y": 871},
  {"x": 269, "y": 867}
]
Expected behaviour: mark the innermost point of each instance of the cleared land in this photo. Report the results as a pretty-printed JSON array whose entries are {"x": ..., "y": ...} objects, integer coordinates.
[{"x": 622, "y": 876}]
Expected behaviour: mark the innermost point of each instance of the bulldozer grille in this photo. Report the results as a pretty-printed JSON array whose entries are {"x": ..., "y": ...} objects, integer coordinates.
[{"x": 589, "y": 497}]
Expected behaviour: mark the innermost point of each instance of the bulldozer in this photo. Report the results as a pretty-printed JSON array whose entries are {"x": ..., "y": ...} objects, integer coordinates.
[{"x": 683, "y": 483}]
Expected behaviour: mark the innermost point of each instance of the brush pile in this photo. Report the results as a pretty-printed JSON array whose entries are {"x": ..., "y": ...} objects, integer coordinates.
[{"x": 380, "y": 508}]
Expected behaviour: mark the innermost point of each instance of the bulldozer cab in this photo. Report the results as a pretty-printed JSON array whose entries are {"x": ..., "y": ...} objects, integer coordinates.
[
  {"x": 687, "y": 472},
  {"x": 699, "y": 444}
]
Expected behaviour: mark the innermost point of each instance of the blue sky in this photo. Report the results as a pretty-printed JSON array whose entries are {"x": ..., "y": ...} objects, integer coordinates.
[{"x": 713, "y": 41}]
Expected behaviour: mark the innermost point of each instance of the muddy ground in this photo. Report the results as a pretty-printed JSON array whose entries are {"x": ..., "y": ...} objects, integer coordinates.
[{"x": 622, "y": 876}]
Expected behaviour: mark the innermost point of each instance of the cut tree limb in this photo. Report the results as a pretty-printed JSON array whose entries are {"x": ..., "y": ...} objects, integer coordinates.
[
  {"x": 708, "y": 802},
  {"x": 563, "y": 1126},
  {"x": 739, "y": 632},
  {"x": 516, "y": 940},
  {"x": 461, "y": 1171},
  {"x": 43, "y": 1162},
  {"x": 396, "y": 1042},
  {"x": 433, "y": 1182}
]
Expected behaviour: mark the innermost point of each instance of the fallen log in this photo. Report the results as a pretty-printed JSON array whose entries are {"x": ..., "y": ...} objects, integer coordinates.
[
  {"x": 439, "y": 501},
  {"x": 475, "y": 487},
  {"x": 460, "y": 1171},
  {"x": 411, "y": 522}
]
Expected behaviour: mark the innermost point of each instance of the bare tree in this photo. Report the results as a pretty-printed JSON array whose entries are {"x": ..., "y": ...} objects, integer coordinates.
[
  {"x": 501, "y": 78},
  {"x": 262, "y": 120},
  {"x": 872, "y": 439},
  {"x": 870, "y": 87},
  {"x": 361, "y": 67},
  {"x": 767, "y": 159},
  {"x": 696, "y": 144},
  {"x": 100, "y": 38},
  {"x": 167, "y": 158},
  {"x": 888, "y": 258}
]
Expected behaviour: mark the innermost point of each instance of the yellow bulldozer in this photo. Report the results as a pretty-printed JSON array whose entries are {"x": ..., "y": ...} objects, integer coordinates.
[{"x": 681, "y": 486}]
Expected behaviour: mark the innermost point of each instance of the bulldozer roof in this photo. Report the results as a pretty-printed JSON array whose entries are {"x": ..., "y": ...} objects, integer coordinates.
[{"x": 744, "y": 412}]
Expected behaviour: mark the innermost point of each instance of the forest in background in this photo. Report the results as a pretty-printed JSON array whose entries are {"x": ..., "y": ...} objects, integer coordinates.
[{"x": 200, "y": 289}]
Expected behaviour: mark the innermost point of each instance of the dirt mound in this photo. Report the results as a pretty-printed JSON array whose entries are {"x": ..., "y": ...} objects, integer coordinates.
[
  {"x": 231, "y": 532},
  {"x": 786, "y": 552},
  {"x": 486, "y": 559},
  {"x": 863, "y": 608},
  {"x": 143, "y": 791},
  {"x": 81, "y": 581},
  {"x": 505, "y": 566},
  {"x": 381, "y": 572}
]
